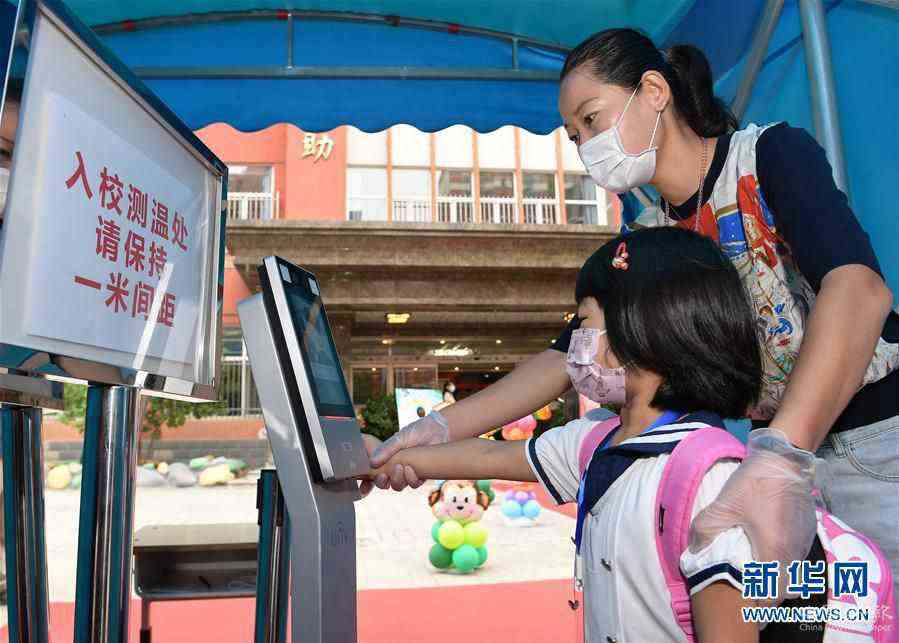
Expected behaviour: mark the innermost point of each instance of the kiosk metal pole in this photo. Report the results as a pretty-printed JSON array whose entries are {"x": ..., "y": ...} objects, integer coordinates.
[
  {"x": 273, "y": 571},
  {"x": 23, "y": 508},
  {"x": 105, "y": 531}
]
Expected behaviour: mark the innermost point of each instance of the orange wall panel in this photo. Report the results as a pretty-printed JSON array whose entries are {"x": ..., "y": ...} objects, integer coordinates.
[{"x": 317, "y": 188}]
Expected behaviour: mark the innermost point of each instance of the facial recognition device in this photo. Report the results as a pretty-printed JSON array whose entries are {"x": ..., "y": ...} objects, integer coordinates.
[{"x": 316, "y": 443}]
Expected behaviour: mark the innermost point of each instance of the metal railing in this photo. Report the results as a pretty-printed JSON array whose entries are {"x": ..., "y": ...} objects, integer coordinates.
[
  {"x": 540, "y": 211},
  {"x": 414, "y": 210},
  {"x": 244, "y": 206},
  {"x": 455, "y": 209},
  {"x": 497, "y": 210},
  {"x": 238, "y": 391}
]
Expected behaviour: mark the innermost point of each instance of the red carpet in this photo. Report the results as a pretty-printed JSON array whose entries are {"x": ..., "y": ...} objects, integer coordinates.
[{"x": 535, "y": 612}]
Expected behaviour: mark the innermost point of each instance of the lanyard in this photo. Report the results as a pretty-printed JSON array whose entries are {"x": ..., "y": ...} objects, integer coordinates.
[{"x": 667, "y": 417}]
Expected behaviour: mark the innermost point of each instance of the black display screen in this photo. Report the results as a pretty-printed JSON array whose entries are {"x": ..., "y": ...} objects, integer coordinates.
[{"x": 317, "y": 346}]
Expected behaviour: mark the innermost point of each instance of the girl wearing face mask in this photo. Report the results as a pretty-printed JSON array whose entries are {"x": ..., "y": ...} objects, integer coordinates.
[
  {"x": 666, "y": 335},
  {"x": 829, "y": 340}
]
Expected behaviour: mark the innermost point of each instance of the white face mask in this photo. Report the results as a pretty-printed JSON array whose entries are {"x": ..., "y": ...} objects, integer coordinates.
[{"x": 610, "y": 166}]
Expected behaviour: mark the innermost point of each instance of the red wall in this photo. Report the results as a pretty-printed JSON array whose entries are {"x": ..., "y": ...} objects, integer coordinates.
[{"x": 308, "y": 189}]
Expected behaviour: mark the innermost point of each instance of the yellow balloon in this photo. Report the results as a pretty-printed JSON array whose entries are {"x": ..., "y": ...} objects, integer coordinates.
[
  {"x": 475, "y": 534},
  {"x": 451, "y": 534}
]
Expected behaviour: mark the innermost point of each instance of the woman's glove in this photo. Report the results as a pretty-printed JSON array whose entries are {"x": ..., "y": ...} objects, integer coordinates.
[
  {"x": 429, "y": 430},
  {"x": 770, "y": 497}
]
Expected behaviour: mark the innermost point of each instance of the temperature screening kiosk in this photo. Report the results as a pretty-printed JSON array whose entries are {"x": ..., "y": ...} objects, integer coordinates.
[{"x": 316, "y": 444}]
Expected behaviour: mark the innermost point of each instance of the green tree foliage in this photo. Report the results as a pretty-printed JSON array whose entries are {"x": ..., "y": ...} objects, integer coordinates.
[
  {"x": 158, "y": 412},
  {"x": 380, "y": 416}
]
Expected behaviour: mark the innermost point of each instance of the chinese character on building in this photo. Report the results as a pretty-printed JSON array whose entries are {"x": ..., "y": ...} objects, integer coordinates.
[{"x": 317, "y": 146}]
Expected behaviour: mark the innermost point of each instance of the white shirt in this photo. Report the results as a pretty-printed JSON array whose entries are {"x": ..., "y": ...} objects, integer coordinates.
[{"x": 625, "y": 595}]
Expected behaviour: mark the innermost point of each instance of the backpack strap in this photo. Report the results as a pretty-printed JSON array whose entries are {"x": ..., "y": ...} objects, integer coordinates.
[
  {"x": 592, "y": 440},
  {"x": 683, "y": 473}
]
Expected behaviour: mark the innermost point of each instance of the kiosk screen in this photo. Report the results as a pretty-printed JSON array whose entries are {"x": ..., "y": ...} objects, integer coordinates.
[{"x": 319, "y": 353}]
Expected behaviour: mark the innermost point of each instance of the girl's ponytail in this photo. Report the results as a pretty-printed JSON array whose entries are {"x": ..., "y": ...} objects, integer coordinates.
[{"x": 706, "y": 114}]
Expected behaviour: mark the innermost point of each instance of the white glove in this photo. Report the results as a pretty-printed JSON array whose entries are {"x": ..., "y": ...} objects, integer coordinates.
[
  {"x": 429, "y": 430},
  {"x": 770, "y": 497}
]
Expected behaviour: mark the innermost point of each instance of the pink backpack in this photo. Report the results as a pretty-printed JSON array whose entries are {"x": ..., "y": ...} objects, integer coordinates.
[{"x": 686, "y": 467}]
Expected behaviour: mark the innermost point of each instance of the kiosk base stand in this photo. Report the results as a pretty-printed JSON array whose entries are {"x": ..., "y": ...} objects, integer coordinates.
[
  {"x": 106, "y": 522},
  {"x": 322, "y": 516},
  {"x": 273, "y": 571},
  {"x": 23, "y": 511}
]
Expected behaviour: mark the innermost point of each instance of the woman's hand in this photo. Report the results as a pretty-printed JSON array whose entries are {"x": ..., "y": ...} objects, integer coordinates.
[
  {"x": 429, "y": 430},
  {"x": 770, "y": 497}
]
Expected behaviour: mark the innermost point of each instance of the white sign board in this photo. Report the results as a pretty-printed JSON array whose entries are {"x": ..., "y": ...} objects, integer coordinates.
[
  {"x": 111, "y": 237},
  {"x": 127, "y": 260}
]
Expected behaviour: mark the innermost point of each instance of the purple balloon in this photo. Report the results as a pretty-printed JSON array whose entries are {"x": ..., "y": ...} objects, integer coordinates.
[
  {"x": 532, "y": 495},
  {"x": 510, "y": 495},
  {"x": 522, "y": 497}
]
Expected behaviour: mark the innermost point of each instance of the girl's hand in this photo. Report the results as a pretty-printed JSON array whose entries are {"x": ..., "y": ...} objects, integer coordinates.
[
  {"x": 365, "y": 482},
  {"x": 429, "y": 430}
]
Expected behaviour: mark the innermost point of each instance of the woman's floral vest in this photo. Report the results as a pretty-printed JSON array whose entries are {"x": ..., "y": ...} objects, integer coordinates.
[{"x": 737, "y": 217}]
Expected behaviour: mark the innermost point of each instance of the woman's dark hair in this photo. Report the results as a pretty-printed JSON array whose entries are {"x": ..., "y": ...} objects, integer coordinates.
[
  {"x": 680, "y": 311},
  {"x": 622, "y": 56}
]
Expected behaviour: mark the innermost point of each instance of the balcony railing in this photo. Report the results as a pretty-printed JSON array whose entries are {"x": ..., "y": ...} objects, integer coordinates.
[
  {"x": 414, "y": 210},
  {"x": 497, "y": 210},
  {"x": 237, "y": 389},
  {"x": 455, "y": 209},
  {"x": 540, "y": 211},
  {"x": 245, "y": 206}
]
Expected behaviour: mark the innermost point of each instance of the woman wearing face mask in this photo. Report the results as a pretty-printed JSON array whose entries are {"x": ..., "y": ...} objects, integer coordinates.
[{"x": 829, "y": 340}]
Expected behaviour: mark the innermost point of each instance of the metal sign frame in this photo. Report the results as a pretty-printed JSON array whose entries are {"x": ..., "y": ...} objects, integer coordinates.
[{"x": 61, "y": 366}]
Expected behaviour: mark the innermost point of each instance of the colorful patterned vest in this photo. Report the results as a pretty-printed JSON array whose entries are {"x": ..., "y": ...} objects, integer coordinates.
[{"x": 737, "y": 217}]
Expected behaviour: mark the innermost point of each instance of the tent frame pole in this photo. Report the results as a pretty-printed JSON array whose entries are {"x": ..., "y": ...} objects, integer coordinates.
[
  {"x": 822, "y": 87},
  {"x": 760, "y": 41}
]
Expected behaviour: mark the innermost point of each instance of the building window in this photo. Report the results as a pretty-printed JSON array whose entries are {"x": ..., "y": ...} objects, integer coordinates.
[
  {"x": 497, "y": 197},
  {"x": 454, "y": 202},
  {"x": 584, "y": 201},
  {"x": 539, "y": 197},
  {"x": 366, "y": 190},
  {"x": 412, "y": 195},
  {"x": 251, "y": 192}
]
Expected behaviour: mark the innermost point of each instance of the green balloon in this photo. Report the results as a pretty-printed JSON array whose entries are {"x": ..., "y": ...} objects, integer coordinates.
[
  {"x": 451, "y": 534},
  {"x": 482, "y": 556},
  {"x": 435, "y": 531},
  {"x": 484, "y": 485},
  {"x": 475, "y": 534},
  {"x": 440, "y": 556},
  {"x": 465, "y": 558}
]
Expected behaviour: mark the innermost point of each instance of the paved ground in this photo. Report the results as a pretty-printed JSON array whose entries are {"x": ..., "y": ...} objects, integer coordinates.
[{"x": 393, "y": 535}]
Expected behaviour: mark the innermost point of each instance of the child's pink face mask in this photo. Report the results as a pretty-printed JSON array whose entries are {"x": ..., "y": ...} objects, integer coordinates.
[{"x": 598, "y": 383}]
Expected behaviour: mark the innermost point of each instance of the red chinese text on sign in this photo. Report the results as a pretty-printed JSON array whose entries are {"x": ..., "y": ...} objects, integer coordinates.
[
  {"x": 166, "y": 315},
  {"x": 108, "y": 237},
  {"x": 137, "y": 206},
  {"x": 80, "y": 173},
  {"x": 134, "y": 251},
  {"x": 179, "y": 231},
  {"x": 111, "y": 191},
  {"x": 157, "y": 259},
  {"x": 118, "y": 286},
  {"x": 160, "y": 225},
  {"x": 143, "y": 299}
]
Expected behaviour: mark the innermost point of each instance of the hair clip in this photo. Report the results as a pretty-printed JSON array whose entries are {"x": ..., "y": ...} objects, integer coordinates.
[{"x": 619, "y": 261}]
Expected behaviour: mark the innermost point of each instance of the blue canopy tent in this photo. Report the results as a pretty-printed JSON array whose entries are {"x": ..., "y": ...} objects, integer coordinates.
[{"x": 487, "y": 63}]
